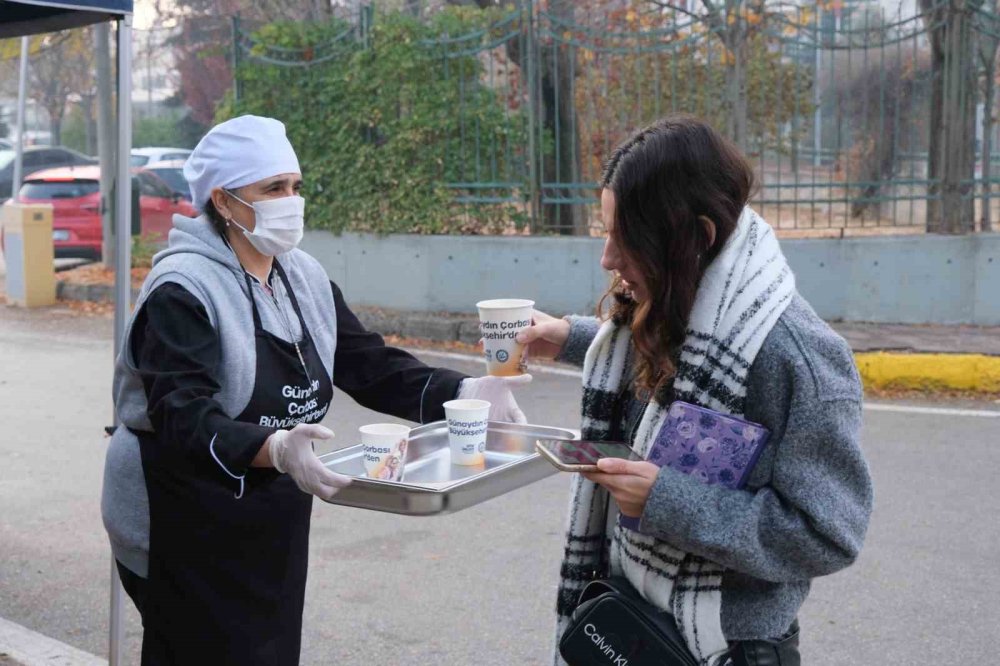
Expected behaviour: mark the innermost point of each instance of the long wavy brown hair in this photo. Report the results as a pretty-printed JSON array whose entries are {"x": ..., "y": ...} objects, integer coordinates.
[{"x": 665, "y": 178}]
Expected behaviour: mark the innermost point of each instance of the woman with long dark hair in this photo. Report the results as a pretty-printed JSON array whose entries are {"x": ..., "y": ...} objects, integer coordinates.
[{"x": 704, "y": 310}]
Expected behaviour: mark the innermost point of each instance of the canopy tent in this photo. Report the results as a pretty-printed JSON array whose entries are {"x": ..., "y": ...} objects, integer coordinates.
[{"x": 28, "y": 17}]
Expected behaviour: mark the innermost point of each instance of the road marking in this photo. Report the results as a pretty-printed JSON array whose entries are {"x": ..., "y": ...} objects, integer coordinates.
[
  {"x": 870, "y": 406},
  {"x": 31, "y": 648},
  {"x": 939, "y": 411}
]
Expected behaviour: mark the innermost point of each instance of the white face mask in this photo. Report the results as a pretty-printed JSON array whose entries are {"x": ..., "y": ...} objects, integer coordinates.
[{"x": 279, "y": 224}]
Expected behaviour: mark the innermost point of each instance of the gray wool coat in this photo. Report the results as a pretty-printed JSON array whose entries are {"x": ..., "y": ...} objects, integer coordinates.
[{"x": 805, "y": 509}]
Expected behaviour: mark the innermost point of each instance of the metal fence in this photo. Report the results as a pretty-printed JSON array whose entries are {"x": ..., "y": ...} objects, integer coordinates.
[{"x": 852, "y": 114}]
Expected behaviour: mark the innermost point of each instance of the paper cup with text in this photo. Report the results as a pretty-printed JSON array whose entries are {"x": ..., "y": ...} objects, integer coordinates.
[
  {"x": 383, "y": 447},
  {"x": 500, "y": 320},
  {"x": 467, "y": 423}
]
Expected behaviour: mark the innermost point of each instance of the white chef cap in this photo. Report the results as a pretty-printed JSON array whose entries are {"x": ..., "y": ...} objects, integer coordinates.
[{"x": 236, "y": 153}]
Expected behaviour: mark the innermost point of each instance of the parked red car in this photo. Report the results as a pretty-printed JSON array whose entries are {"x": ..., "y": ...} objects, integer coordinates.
[{"x": 74, "y": 193}]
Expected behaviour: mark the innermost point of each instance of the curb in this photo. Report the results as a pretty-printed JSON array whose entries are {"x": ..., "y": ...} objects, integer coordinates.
[
  {"x": 918, "y": 371},
  {"x": 96, "y": 293},
  {"x": 929, "y": 372},
  {"x": 30, "y": 648}
]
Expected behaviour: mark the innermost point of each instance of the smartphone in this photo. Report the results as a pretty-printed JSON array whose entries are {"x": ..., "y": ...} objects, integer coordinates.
[{"x": 582, "y": 456}]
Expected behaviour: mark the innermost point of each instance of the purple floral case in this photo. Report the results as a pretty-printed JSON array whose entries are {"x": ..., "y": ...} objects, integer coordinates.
[{"x": 713, "y": 447}]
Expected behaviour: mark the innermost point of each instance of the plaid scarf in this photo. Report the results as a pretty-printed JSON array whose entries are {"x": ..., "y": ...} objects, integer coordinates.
[{"x": 740, "y": 298}]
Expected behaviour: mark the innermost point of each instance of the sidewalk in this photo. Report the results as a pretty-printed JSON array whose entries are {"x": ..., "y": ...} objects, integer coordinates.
[
  {"x": 916, "y": 338},
  {"x": 20, "y": 646}
]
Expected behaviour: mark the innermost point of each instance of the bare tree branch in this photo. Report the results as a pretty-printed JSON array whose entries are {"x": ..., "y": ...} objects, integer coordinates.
[
  {"x": 710, "y": 6},
  {"x": 715, "y": 18},
  {"x": 680, "y": 10}
]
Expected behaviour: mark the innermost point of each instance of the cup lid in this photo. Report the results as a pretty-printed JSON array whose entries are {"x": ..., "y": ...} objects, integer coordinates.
[
  {"x": 468, "y": 404},
  {"x": 384, "y": 429},
  {"x": 505, "y": 304}
]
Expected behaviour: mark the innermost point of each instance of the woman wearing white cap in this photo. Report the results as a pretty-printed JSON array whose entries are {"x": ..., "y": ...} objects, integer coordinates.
[{"x": 229, "y": 364}]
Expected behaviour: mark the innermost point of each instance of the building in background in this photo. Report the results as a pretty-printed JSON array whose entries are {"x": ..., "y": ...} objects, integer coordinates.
[{"x": 154, "y": 81}]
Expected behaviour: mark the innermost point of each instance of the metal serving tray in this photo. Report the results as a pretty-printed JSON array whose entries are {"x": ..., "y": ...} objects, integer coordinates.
[{"x": 432, "y": 485}]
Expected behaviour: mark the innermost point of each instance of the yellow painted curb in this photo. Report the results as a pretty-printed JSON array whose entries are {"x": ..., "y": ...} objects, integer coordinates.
[{"x": 964, "y": 372}]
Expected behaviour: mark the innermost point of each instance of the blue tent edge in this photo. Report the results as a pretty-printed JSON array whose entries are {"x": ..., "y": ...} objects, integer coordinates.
[
  {"x": 29, "y": 17},
  {"x": 102, "y": 6}
]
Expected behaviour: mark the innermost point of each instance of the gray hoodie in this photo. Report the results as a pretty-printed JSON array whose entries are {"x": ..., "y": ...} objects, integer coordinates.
[{"x": 197, "y": 259}]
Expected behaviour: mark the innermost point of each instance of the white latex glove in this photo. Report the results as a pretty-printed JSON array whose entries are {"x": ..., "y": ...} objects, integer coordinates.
[
  {"x": 292, "y": 453},
  {"x": 496, "y": 391}
]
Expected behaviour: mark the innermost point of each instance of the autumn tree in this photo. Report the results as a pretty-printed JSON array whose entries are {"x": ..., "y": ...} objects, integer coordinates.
[
  {"x": 881, "y": 100},
  {"x": 62, "y": 67},
  {"x": 736, "y": 24},
  {"x": 202, "y": 65}
]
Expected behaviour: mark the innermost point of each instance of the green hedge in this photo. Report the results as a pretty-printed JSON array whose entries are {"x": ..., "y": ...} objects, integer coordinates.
[{"x": 383, "y": 127}]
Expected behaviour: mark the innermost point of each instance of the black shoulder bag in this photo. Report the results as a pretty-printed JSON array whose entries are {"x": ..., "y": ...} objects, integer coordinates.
[{"x": 614, "y": 626}]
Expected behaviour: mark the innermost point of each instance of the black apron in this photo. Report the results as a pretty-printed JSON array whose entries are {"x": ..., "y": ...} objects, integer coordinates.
[{"x": 227, "y": 576}]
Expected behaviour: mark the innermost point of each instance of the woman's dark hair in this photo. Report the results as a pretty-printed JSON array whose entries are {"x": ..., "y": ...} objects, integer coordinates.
[
  {"x": 215, "y": 217},
  {"x": 664, "y": 179}
]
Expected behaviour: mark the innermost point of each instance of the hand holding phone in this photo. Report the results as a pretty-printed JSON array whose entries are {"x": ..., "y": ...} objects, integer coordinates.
[{"x": 582, "y": 456}]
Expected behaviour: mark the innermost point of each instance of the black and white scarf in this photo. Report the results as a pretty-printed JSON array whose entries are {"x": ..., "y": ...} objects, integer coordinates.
[{"x": 740, "y": 297}]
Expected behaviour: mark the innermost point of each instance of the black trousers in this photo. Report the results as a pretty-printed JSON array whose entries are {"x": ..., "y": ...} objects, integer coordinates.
[{"x": 135, "y": 586}]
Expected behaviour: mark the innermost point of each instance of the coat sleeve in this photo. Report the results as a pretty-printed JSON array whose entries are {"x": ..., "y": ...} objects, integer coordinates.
[
  {"x": 177, "y": 352},
  {"x": 387, "y": 379},
  {"x": 582, "y": 331},
  {"x": 809, "y": 519}
]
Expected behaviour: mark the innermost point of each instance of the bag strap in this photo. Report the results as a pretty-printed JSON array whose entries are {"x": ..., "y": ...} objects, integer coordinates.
[{"x": 617, "y": 585}]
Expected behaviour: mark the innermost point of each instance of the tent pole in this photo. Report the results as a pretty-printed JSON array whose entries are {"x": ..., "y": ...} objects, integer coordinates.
[
  {"x": 105, "y": 140},
  {"x": 123, "y": 182},
  {"x": 123, "y": 263},
  {"x": 22, "y": 93},
  {"x": 115, "y": 629}
]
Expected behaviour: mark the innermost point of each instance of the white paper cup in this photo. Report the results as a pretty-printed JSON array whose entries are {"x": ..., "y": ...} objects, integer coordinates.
[
  {"x": 500, "y": 320},
  {"x": 383, "y": 448},
  {"x": 467, "y": 422}
]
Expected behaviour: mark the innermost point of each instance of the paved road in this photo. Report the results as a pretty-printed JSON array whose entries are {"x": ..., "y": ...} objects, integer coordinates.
[{"x": 477, "y": 587}]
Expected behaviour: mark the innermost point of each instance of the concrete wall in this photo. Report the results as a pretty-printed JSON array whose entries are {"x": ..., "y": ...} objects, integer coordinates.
[
  {"x": 911, "y": 280},
  {"x": 918, "y": 279}
]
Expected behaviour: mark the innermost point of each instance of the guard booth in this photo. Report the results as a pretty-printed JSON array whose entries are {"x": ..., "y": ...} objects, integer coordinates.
[{"x": 19, "y": 18}]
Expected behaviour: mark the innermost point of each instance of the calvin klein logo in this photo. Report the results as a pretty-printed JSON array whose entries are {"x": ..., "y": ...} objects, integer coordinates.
[{"x": 606, "y": 648}]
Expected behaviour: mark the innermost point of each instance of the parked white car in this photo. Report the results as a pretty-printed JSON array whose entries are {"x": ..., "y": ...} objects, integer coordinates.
[
  {"x": 145, "y": 156},
  {"x": 171, "y": 172}
]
